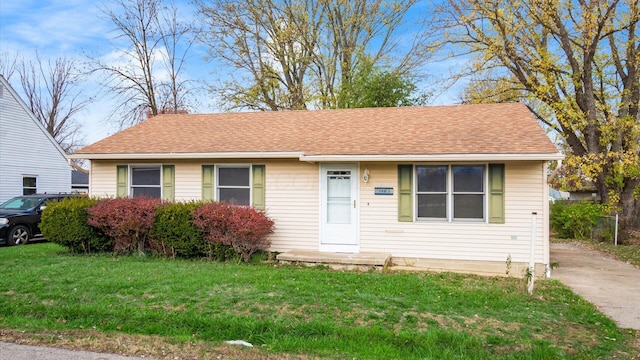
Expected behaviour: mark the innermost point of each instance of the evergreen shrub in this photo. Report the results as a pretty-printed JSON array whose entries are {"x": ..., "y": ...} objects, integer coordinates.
[{"x": 65, "y": 223}]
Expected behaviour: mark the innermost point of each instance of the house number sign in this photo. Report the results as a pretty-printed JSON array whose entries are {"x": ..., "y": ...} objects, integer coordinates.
[{"x": 383, "y": 190}]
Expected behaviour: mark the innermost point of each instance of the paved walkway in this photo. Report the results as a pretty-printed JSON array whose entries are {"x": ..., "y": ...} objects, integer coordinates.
[{"x": 612, "y": 285}]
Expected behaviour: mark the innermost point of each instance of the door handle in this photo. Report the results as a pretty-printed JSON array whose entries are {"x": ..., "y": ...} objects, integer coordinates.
[{"x": 354, "y": 204}]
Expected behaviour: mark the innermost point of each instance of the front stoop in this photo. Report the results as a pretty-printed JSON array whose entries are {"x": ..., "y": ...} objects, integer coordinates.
[{"x": 340, "y": 261}]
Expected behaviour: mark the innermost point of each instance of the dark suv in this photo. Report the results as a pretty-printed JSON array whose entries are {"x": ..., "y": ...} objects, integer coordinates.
[{"x": 20, "y": 217}]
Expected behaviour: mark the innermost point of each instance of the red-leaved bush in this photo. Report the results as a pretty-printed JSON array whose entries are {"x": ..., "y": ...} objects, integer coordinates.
[
  {"x": 246, "y": 229},
  {"x": 126, "y": 220}
]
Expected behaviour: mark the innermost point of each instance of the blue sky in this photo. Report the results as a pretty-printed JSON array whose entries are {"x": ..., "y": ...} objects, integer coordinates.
[
  {"x": 69, "y": 28},
  {"x": 72, "y": 28}
]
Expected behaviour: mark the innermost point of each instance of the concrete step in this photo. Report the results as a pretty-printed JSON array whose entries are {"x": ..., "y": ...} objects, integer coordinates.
[{"x": 362, "y": 260}]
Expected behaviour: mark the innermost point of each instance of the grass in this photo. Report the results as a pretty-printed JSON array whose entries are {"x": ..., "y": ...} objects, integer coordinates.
[{"x": 168, "y": 308}]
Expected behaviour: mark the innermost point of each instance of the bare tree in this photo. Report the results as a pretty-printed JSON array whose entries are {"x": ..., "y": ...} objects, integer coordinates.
[
  {"x": 8, "y": 64},
  {"x": 51, "y": 90},
  {"x": 175, "y": 93},
  {"x": 271, "y": 42},
  {"x": 147, "y": 78},
  {"x": 296, "y": 54}
]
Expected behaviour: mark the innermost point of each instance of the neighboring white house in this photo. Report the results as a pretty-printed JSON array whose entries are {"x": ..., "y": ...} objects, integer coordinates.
[
  {"x": 31, "y": 161},
  {"x": 80, "y": 181},
  {"x": 453, "y": 188}
]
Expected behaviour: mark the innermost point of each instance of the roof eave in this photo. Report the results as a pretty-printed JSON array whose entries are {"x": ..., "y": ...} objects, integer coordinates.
[
  {"x": 216, "y": 155},
  {"x": 325, "y": 158},
  {"x": 432, "y": 157}
]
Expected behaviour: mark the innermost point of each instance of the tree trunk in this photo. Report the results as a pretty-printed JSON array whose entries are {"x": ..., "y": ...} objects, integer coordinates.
[{"x": 629, "y": 211}]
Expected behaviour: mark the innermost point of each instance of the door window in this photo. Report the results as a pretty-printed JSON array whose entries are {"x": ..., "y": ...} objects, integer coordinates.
[{"x": 339, "y": 197}]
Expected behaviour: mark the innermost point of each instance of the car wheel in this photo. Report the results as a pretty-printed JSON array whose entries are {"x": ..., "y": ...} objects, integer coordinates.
[{"x": 19, "y": 235}]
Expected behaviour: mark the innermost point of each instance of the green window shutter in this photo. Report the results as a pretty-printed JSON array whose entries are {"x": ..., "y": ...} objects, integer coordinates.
[
  {"x": 257, "y": 186},
  {"x": 405, "y": 193},
  {"x": 168, "y": 179},
  {"x": 122, "y": 180},
  {"x": 207, "y": 182},
  {"x": 496, "y": 193}
]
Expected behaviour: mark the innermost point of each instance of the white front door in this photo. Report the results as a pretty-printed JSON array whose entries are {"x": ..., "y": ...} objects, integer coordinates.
[{"x": 339, "y": 208}]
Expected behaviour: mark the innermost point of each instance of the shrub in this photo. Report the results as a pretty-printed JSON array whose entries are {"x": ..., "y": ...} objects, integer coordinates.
[
  {"x": 127, "y": 220},
  {"x": 246, "y": 229},
  {"x": 65, "y": 223},
  {"x": 220, "y": 252},
  {"x": 575, "y": 221},
  {"x": 174, "y": 234}
]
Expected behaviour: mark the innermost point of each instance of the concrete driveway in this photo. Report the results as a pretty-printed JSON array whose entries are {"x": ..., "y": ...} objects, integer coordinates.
[{"x": 611, "y": 285}]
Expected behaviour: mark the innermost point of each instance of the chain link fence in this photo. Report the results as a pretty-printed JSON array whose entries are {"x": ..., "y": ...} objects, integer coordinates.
[{"x": 606, "y": 229}]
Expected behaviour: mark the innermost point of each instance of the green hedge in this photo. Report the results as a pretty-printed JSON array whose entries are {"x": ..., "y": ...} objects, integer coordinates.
[
  {"x": 173, "y": 233},
  {"x": 575, "y": 221},
  {"x": 165, "y": 229},
  {"x": 65, "y": 223}
]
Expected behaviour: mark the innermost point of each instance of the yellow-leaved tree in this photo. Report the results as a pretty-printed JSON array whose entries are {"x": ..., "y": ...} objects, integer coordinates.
[{"x": 578, "y": 61}]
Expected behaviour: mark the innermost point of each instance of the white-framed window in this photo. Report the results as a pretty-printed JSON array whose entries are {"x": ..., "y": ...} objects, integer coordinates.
[
  {"x": 29, "y": 185},
  {"x": 451, "y": 192},
  {"x": 146, "y": 180},
  {"x": 233, "y": 184}
]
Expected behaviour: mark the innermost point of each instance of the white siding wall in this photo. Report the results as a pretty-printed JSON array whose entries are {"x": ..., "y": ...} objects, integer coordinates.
[
  {"x": 26, "y": 150},
  {"x": 524, "y": 194},
  {"x": 292, "y": 201}
]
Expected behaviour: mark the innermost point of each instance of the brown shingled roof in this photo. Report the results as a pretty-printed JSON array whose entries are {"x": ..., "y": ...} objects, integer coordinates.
[{"x": 434, "y": 130}]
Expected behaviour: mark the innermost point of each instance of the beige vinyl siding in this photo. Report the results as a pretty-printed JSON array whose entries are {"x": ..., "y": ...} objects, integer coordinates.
[
  {"x": 462, "y": 240},
  {"x": 292, "y": 202},
  {"x": 188, "y": 184},
  {"x": 291, "y": 197},
  {"x": 102, "y": 179}
]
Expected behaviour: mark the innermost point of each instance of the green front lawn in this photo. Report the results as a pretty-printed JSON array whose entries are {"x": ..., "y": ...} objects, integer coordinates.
[{"x": 296, "y": 312}]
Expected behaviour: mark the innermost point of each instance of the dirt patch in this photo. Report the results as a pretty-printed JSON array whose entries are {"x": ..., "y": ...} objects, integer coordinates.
[{"x": 145, "y": 346}]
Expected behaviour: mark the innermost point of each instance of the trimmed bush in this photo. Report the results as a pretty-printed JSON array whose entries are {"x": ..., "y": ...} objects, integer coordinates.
[
  {"x": 575, "y": 221},
  {"x": 173, "y": 233},
  {"x": 127, "y": 220},
  {"x": 246, "y": 229},
  {"x": 65, "y": 223}
]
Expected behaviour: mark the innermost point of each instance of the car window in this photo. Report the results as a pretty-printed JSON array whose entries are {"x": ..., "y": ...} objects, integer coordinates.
[{"x": 20, "y": 203}]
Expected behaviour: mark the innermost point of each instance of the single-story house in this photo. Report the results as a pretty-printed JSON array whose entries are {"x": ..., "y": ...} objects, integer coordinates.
[
  {"x": 457, "y": 188},
  {"x": 31, "y": 161}
]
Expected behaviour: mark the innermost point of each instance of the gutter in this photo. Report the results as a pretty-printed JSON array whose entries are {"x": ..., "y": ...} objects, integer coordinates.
[
  {"x": 324, "y": 158},
  {"x": 431, "y": 158},
  {"x": 216, "y": 155}
]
